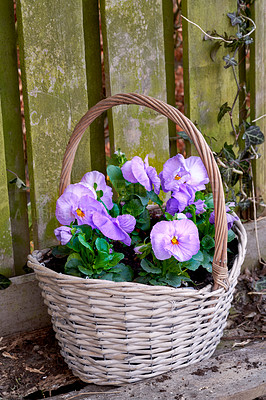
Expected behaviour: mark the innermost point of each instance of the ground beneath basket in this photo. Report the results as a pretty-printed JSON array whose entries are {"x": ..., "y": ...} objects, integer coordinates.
[{"x": 31, "y": 366}]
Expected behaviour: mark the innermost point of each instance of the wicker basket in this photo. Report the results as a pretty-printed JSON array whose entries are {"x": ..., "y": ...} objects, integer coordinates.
[{"x": 114, "y": 333}]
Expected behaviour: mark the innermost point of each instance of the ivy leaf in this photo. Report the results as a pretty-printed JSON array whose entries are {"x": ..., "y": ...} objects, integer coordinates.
[
  {"x": 184, "y": 135},
  {"x": 19, "y": 183},
  {"x": 229, "y": 152},
  {"x": 60, "y": 251},
  {"x": 235, "y": 20},
  {"x": 144, "y": 221},
  {"x": 223, "y": 110},
  {"x": 229, "y": 61},
  {"x": 253, "y": 136},
  {"x": 4, "y": 282}
]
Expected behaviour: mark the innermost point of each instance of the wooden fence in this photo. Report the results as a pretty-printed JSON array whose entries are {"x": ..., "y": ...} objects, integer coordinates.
[{"x": 60, "y": 61}]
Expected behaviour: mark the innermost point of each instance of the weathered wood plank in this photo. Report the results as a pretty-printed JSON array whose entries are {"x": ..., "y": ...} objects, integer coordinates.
[
  {"x": 207, "y": 85},
  {"x": 6, "y": 248},
  {"x": 135, "y": 55},
  {"x": 24, "y": 308},
  {"x": 54, "y": 71},
  {"x": 258, "y": 88},
  {"x": 12, "y": 130}
]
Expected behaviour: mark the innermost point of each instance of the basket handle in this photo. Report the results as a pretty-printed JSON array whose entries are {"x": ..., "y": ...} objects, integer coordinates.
[{"x": 219, "y": 269}]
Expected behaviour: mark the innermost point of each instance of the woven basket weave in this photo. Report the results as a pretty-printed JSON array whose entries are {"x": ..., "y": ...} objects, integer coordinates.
[{"x": 116, "y": 333}]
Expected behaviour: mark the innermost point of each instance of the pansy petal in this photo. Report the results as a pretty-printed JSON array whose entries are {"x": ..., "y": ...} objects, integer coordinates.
[
  {"x": 109, "y": 227},
  {"x": 197, "y": 170},
  {"x": 127, "y": 172},
  {"x": 93, "y": 177},
  {"x": 127, "y": 222},
  {"x": 138, "y": 170},
  {"x": 64, "y": 207},
  {"x": 81, "y": 190},
  {"x": 154, "y": 179}
]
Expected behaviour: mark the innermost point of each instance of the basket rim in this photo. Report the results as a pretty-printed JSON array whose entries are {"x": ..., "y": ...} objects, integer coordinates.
[{"x": 72, "y": 280}]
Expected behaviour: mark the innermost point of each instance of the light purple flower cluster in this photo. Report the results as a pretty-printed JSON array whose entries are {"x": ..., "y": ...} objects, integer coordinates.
[
  {"x": 183, "y": 177},
  {"x": 79, "y": 202}
]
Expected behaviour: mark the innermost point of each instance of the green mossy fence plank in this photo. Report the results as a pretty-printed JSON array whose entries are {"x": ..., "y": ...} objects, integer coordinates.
[
  {"x": 137, "y": 60},
  {"x": 207, "y": 85},
  {"x": 258, "y": 88},
  {"x": 55, "y": 72},
  {"x": 12, "y": 131},
  {"x": 6, "y": 248}
]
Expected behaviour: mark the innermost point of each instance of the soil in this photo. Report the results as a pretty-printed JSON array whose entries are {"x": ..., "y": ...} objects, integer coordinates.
[{"x": 31, "y": 366}]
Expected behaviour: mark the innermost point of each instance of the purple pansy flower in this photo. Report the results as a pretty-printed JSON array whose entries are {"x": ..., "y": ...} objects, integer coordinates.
[
  {"x": 137, "y": 171},
  {"x": 115, "y": 228},
  {"x": 200, "y": 208},
  {"x": 179, "y": 238},
  {"x": 63, "y": 234},
  {"x": 90, "y": 178},
  {"x": 180, "y": 200},
  {"x": 177, "y": 171},
  {"x": 77, "y": 202},
  {"x": 230, "y": 218}
]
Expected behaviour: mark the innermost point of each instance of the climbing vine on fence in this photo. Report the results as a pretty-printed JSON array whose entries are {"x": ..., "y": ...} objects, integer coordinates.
[{"x": 235, "y": 160}]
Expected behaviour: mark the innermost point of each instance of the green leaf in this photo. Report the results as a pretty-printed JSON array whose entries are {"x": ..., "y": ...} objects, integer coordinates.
[
  {"x": 87, "y": 230},
  {"x": 102, "y": 245},
  {"x": 74, "y": 244},
  {"x": 114, "y": 212},
  {"x": 4, "y": 282},
  {"x": 149, "y": 267},
  {"x": 144, "y": 221},
  {"x": 194, "y": 262},
  {"x": 116, "y": 178},
  {"x": 115, "y": 258},
  {"x": 84, "y": 243},
  {"x": 207, "y": 242},
  {"x": 231, "y": 236},
  {"x": 85, "y": 271},
  {"x": 207, "y": 261},
  {"x": 253, "y": 136},
  {"x": 125, "y": 273},
  {"x": 101, "y": 261},
  {"x": 209, "y": 200},
  {"x": 139, "y": 191},
  {"x": 133, "y": 207},
  {"x": 74, "y": 260},
  {"x": 223, "y": 110},
  {"x": 155, "y": 198},
  {"x": 60, "y": 251},
  {"x": 173, "y": 279},
  {"x": 169, "y": 216}
]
